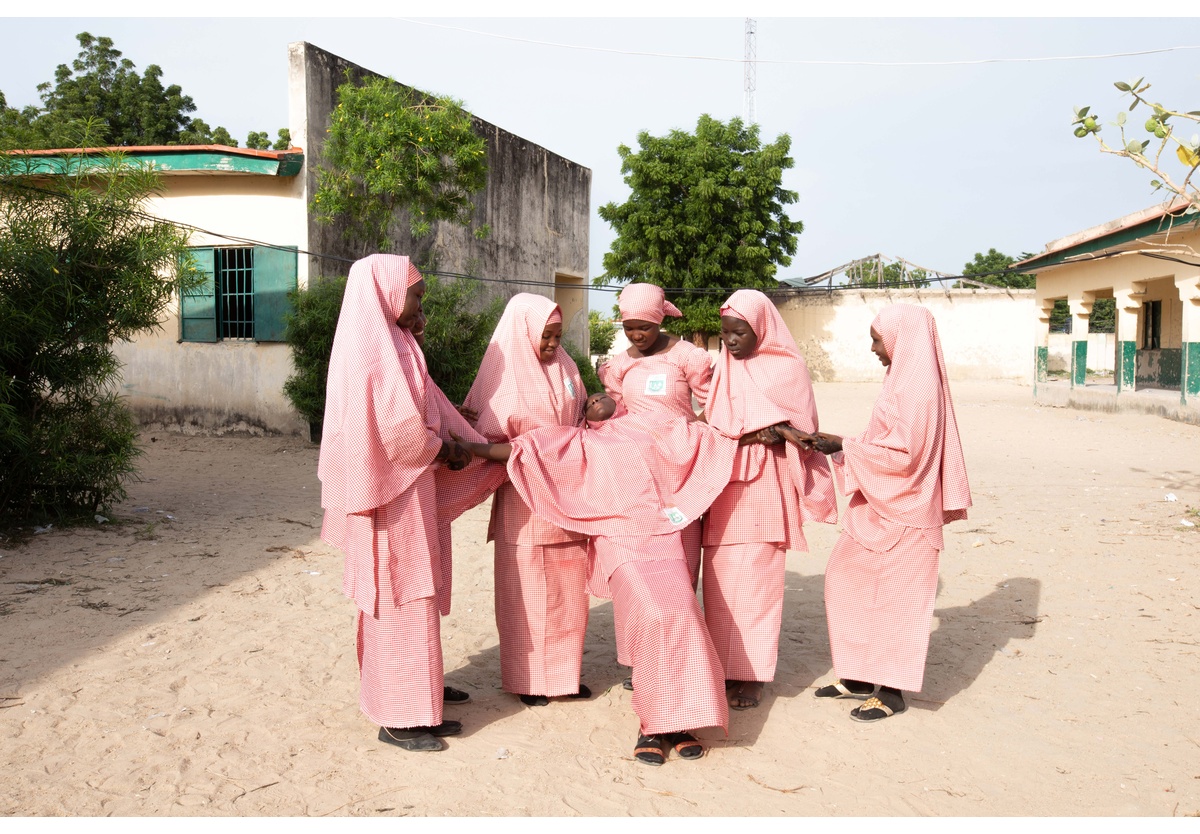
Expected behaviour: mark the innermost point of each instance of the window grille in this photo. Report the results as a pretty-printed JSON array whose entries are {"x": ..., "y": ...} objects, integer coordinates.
[{"x": 235, "y": 289}]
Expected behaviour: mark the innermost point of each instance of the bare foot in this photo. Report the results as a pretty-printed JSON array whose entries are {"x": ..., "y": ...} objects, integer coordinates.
[{"x": 746, "y": 695}]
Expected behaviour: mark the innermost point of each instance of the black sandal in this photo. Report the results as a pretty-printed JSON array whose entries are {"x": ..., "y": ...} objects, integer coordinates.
[
  {"x": 686, "y": 746},
  {"x": 450, "y": 695},
  {"x": 649, "y": 750}
]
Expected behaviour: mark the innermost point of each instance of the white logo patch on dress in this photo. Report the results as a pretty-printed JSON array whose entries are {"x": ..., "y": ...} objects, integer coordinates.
[
  {"x": 674, "y": 516},
  {"x": 570, "y": 388},
  {"x": 656, "y": 384}
]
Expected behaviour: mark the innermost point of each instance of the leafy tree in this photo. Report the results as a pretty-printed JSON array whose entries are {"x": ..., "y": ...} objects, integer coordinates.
[
  {"x": 875, "y": 273},
  {"x": 993, "y": 268},
  {"x": 602, "y": 333},
  {"x": 1171, "y": 175},
  {"x": 80, "y": 269},
  {"x": 258, "y": 141},
  {"x": 705, "y": 216},
  {"x": 284, "y": 141},
  {"x": 390, "y": 149},
  {"x": 121, "y": 106}
]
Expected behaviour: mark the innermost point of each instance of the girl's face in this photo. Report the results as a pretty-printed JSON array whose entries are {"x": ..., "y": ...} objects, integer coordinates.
[
  {"x": 418, "y": 328},
  {"x": 412, "y": 306},
  {"x": 551, "y": 339},
  {"x": 738, "y": 337},
  {"x": 641, "y": 334},
  {"x": 600, "y": 406},
  {"x": 879, "y": 349}
]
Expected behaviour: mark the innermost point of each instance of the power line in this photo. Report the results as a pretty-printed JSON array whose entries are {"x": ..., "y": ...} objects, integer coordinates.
[{"x": 797, "y": 62}]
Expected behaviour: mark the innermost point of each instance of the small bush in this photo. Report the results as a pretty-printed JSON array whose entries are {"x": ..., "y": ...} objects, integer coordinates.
[{"x": 591, "y": 381}]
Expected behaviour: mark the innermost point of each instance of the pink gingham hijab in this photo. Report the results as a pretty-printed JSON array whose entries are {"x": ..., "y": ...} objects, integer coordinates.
[
  {"x": 645, "y": 302},
  {"x": 377, "y": 437},
  {"x": 770, "y": 386},
  {"x": 514, "y": 390},
  {"x": 913, "y": 422}
]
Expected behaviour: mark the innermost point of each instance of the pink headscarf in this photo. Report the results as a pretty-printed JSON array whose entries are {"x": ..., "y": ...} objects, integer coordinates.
[
  {"x": 645, "y": 302},
  {"x": 638, "y": 475},
  {"x": 377, "y": 435},
  {"x": 914, "y": 414},
  {"x": 770, "y": 386},
  {"x": 515, "y": 391}
]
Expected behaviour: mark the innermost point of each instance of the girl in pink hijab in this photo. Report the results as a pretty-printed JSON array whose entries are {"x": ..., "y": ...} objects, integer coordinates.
[
  {"x": 633, "y": 483},
  {"x": 528, "y": 381},
  {"x": 760, "y": 380},
  {"x": 383, "y": 459},
  {"x": 906, "y": 477}
]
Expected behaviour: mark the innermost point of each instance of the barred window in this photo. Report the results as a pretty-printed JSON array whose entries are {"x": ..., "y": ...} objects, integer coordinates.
[{"x": 244, "y": 296}]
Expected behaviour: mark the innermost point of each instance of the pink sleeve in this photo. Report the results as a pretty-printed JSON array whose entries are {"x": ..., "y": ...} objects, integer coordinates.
[{"x": 698, "y": 372}]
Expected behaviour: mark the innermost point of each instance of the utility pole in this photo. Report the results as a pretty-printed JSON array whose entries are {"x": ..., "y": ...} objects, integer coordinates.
[{"x": 751, "y": 77}]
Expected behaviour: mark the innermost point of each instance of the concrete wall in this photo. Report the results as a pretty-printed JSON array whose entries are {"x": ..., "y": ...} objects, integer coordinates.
[
  {"x": 537, "y": 203},
  {"x": 229, "y": 385},
  {"x": 985, "y": 334},
  {"x": 1101, "y": 352}
]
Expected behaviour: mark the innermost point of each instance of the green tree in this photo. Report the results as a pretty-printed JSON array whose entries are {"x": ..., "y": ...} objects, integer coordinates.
[
  {"x": 121, "y": 106},
  {"x": 1173, "y": 171},
  {"x": 875, "y": 273},
  {"x": 993, "y": 268},
  {"x": 602, "y": 333},
  {"x": 81, "y": 267},
  {"x": 393, "y": 149},
  {"x": 705, "y": 216},
  {"x": 257, "y": 140}
]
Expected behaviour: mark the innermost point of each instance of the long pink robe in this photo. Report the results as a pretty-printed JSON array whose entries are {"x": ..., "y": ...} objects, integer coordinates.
[
  {"x": 633, "y": 483},
  {"x": 774, "y": 489},
  {"x": 384, "y": 423},
  {"x": 540, "y": 568},
  {"x": 906, "y": 477}
]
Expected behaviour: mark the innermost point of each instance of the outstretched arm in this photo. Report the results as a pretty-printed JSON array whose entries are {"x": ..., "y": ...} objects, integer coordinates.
[
  {"x": 498, "y": 452},
  {"x": 820, "y": 441}
]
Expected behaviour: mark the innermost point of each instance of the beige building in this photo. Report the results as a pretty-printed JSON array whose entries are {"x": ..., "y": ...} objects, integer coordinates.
[{"x": 1149, "y": 263}]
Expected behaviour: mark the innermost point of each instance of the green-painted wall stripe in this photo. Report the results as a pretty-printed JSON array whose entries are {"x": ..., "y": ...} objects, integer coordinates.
[
  {"x": 1127, "y": 365},
  {"x": 1191, "y": 391},
  {"x": 1079, "y": 364},
  {"x": 200, "y": 161},
  {"x": 1041, "y": 364}
]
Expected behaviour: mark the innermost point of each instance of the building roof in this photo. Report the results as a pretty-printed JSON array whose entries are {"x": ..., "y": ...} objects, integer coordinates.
[
  {"x": 1123, "y": 233},
  {"x": 172, "y": 159}
]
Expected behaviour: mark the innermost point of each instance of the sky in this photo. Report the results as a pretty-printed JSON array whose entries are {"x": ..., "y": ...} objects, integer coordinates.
[{"x": 919, "y": 137}]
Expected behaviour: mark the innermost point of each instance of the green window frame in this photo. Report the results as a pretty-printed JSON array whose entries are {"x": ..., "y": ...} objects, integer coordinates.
[{"x": 244, "y": 296}]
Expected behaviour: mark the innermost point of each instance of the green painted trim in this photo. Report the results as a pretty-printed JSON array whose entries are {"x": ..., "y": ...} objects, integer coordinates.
[
  {"x": 1191, "y": 372},
  {"x": 1150, "y": 227},
  {"x": 1079, "y": 364},
  {"x": 1041, "y": 364},
  {"x": 1126, "y": 365},
  {"x": 164, "y": 162}
]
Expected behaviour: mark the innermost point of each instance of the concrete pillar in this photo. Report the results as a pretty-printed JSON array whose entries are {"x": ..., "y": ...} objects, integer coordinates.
[
  {"x": 1041, "y": 342},
  {"x": 1189, "y": 376},
  {"x": 1081, "y": 314},
  {"x": 1129, "y": 308}
]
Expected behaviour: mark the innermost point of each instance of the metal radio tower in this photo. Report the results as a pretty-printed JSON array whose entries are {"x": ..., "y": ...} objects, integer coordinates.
[{"x": 751, "y": 72}]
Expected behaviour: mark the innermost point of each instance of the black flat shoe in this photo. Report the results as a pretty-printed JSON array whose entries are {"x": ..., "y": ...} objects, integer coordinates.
[
  {"x": 450, "y": 695},
  {"x": 419, "y": 739}
]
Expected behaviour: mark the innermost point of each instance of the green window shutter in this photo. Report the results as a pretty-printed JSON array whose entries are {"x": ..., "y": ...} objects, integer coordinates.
[
  {"x": 198, "y": 307},
  {"x": 274, "y": 278}
]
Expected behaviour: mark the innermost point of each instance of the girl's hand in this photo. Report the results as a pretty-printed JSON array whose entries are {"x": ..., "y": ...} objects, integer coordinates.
[
  {"x": 827, "y": 444},
  {"x": 469, "y": 414}
]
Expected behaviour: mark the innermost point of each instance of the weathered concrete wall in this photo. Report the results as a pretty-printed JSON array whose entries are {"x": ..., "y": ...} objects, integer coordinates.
[
  {"x": 537, "y": 203},
  {"x": 1101, "y": 351},
  {"x": 985, "y": 334},
  {"x": 228, "y": 385}
]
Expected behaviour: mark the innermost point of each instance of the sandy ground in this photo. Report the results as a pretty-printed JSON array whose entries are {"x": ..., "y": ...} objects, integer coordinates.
[{"x": 195, "y": 656}]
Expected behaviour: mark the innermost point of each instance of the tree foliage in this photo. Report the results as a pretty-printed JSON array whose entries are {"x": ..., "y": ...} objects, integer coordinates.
[
  {"x": 873, "y": 272},
  {"x": 80, "y": 269},
  {"x": 121, "y": 106},
  {"x": 391, "y": 148},
  {"x": 1173, "y": 171},
  {"x": 705, "y": 212},
  {"x": 993, "y": 268},
  {"x": 602, "y": 333}
]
